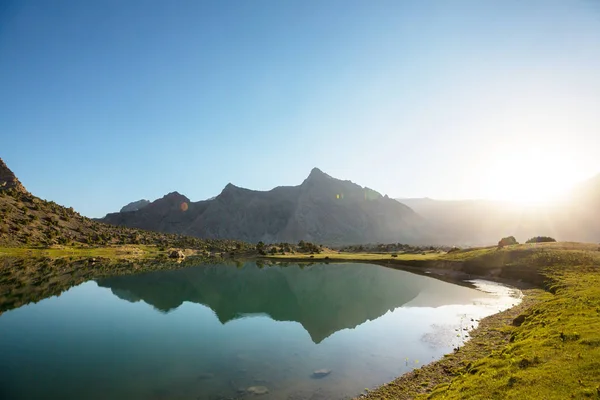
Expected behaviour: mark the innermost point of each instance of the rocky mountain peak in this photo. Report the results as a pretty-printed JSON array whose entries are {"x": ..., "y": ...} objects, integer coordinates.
[
  {"x": 175, "y": 197},
  {"x": 317, "y": 173},
  {"x": 317, "y": 176},
  {"x": 8, "y": 180}
]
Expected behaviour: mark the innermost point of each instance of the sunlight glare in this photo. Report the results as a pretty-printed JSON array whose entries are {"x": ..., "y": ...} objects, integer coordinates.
[{"x": 529, "y": 177}]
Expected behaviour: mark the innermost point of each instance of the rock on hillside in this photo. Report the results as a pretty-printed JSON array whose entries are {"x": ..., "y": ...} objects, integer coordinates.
[
  {"x": 322, "y": 209},
  {"x": 8, "y": 180}
]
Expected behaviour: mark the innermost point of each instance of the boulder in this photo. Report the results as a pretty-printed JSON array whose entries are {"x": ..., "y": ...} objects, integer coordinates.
[
  {"x": 321, "y": 373},
  {"x": 176, "y": 254},
  {"x": 257, "y": 390}
]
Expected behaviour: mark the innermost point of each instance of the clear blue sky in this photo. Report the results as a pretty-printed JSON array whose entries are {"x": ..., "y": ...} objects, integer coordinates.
[{"x": 106, "y": 102}]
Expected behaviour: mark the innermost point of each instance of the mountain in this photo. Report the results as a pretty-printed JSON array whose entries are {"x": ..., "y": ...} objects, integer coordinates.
[
  {"x": 576, "y": 217},
  {"x": 135, "y": 205},
  {"x": 321, "y": 209},
  {"x": 28, "y": 220}
]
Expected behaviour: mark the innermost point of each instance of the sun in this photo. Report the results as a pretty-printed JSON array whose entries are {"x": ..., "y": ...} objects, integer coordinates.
[{"x": 528, "y": 177}]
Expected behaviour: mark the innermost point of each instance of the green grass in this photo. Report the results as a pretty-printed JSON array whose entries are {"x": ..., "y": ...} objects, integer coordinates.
[
  {"x": 555, "y": 353},
  {"x": 112, "y": 252},
  {"x": 551, "y": 350}
]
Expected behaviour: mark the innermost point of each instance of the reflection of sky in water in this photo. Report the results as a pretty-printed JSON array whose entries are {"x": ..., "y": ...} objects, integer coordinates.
[{"x": 89, "y": 343}]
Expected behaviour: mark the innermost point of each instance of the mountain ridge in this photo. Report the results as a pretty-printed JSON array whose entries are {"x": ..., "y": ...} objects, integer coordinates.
[{"x": 321, "y": 209}]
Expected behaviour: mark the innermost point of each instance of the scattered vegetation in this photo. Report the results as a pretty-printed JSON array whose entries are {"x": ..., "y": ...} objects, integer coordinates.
[
  {"x": 26, "y": 220},
  {"x": 398, "y": 248},
  {"x": 285, "y": 248},
  {"x": 541, "y": 239}
]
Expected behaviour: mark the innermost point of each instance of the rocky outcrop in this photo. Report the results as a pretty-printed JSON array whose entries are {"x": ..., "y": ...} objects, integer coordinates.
[
  {"x": 135, "y": 205},
  {"x": 8, "y": 180},
  {"x": 322, "y": 209},
  {"x": 176, "y": 254}
]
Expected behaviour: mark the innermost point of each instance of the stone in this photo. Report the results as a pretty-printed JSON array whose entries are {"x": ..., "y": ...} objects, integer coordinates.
[
  {"x": 321, "y": 373},
  {"x": 176, "y": 254},
  {"x": 205, "y": 375},
  {"x": 257, "y": 390}
]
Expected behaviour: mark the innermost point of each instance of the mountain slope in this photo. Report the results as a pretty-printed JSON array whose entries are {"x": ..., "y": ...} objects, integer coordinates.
[
  {"x": 135, "y": 205},
  {"x": 28, "y": 220},
  {"x": 321, "y": 209}
]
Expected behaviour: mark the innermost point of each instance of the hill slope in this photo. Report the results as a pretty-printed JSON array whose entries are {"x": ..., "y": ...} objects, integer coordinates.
[
  {"x": 322, "y": 209},
  {"x": 28, "y": 220}
]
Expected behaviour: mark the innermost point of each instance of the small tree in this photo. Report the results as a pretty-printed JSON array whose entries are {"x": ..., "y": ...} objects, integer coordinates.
[{"x": 507, "y": 241}]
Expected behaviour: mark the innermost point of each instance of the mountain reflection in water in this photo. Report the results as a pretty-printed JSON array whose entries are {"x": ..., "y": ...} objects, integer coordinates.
[{"x": 323, "y": 298}]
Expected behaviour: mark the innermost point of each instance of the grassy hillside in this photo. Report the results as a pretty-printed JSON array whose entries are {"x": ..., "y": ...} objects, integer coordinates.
[{"x": 548, "y": 348}]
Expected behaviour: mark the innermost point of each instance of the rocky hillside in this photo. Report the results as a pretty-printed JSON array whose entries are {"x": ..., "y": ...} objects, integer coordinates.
[
  {"x": 322, "y": 209},
  {"x": 28, "y": 220}
]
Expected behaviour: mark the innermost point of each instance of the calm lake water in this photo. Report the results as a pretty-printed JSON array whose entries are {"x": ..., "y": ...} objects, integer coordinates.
[{"x": 211, "y": 332}]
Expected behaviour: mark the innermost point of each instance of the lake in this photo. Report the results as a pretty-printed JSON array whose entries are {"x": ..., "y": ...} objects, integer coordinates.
[{"x": 227, "y": 332}]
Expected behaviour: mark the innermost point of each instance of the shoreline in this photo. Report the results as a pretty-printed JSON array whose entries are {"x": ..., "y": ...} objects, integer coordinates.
[
  {"x": 490, "y": 335},
  {"x": 438, "y": 268}
]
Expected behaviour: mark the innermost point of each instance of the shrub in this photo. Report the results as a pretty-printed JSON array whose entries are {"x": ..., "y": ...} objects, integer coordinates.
[
  {"x": 541, "y": 239},
  {"x": 507, "y": 241}
]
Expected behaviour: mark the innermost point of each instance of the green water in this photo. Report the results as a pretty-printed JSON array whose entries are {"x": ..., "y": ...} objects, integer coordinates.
[{"x": 212, "y": 332}]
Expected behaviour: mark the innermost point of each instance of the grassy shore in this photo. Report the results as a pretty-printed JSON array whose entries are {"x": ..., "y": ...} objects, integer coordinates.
[
  {"x": 111, "y": 252},
  {"x": 548, "y": 347}
]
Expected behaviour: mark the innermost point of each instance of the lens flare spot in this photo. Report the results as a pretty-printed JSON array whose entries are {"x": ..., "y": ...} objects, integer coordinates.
[{"x": 184, "y": 206}]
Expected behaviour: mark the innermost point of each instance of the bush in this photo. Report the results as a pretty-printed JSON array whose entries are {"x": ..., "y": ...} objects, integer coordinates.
[
  {"x": 541, "y": 239},
  {"x": 507, "y": 241}
]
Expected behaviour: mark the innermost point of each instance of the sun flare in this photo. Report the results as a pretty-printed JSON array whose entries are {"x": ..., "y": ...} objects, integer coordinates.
[{"x": 532, "y": 177}]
